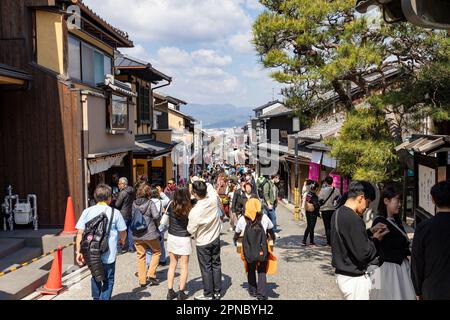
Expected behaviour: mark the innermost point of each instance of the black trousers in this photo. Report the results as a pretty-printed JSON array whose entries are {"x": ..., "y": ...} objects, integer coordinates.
[
  {"x": 311, "y": 219},
  {"x": 210, "y": 267},
  {"x": 326, "y": 217},
  {"x": 257, "y": 289}
]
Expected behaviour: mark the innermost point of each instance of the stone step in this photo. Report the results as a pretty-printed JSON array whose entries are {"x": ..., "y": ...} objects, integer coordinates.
[
  {"x": 24, "y": 281},
  {"x": 10, "y": 245},
  {"x": 18, "y": 257}
]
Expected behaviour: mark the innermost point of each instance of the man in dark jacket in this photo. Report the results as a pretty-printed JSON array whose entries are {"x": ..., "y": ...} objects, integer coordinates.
[
  {"x": 430, "y": 259},
  {"x": 352, "y": 246},
  {"x": 124, "y": 204}
]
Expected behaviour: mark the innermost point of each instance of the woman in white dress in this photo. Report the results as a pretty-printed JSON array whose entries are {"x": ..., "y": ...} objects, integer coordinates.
[
  {"x": 179, "y": 241},
  {"x": 393, "y": 279}
]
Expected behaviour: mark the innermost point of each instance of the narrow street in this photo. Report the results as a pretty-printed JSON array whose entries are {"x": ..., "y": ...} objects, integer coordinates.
[{"x": 303, "y": 273}]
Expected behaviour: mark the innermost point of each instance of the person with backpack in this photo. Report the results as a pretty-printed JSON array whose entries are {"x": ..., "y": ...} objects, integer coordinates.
[
  {"x": 270, "y": 199},
  {"x": 328, "y": 197},
  {"x": 255, "y": 249},
  {"x": 100, "y": 256},
  {"x": 312, "y": 208},
  {"x": 205, "y": 226},
  {"x": 145, "y": 217},
  {"x": 161, "y": 201}
]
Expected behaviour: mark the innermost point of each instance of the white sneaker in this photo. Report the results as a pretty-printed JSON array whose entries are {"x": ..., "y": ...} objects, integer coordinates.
[{"x": 277, "y": 235}]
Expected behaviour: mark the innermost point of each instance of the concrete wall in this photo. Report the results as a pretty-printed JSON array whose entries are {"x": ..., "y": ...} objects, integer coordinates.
[
  {"x": 100, "y": 140},
  {"x": 50, "y": 41}
]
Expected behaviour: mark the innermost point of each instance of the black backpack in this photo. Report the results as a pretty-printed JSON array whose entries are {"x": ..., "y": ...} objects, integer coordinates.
[
  {"x": 254, "y": 243},
  {"x": 94, "y": 243}
]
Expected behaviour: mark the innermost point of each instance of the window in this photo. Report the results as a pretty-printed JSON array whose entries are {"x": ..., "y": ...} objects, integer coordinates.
[
  {"x": 119, "y": 113},
  {"x": 74, "y": 59},
  {"x": 144, "y": 103},
  {"x": 86, "y": 63}
]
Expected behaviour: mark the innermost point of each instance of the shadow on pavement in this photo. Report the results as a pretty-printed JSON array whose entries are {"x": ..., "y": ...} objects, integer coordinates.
[
  {"x": 196, "y": 284},
  {"x": 271, "y": 287},
  {"x": 135, "y": 294}
]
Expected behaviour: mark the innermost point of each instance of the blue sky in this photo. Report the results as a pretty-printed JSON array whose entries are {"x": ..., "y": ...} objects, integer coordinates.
[{"x": 203, "y": 44}]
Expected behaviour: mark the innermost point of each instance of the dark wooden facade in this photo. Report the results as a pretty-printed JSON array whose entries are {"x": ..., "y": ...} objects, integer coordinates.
[{"x": 40, "y": 128}]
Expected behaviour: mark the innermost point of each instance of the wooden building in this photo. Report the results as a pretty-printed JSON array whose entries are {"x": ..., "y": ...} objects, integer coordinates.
[{"x": 48, "y": 131}]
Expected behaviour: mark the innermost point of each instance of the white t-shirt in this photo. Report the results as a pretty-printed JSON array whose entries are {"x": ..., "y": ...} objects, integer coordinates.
[{"x": 242, "y": 223}]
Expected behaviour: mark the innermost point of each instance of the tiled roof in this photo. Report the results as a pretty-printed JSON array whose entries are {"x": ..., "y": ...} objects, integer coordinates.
[
  {"x": 124, "y": 61},
  {"x": 119, "y": 33},
  {"x": 323, "y": 128},
  {"x": 271, "y": 103},
  {"x": 280, "y": 110}
]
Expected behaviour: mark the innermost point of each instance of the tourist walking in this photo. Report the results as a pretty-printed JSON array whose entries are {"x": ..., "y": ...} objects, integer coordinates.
[
  {"x": 394, "y": 277},
  {"x": 270, "y": 199},
  {"x": 256, "y": 227},
  {"x": 352, "y": 246},
  {"x": 124, "y": 203},
  {"x": 327, "y": 197},
  {"x": 312, "y": 212},
  {"x": 430, "y": 260},
  {"x": 101, "y": 287},
  {"x": 204, "y": 225},
  {"x": 148, "y": 238},
  {"x": 178, "y": 242}
]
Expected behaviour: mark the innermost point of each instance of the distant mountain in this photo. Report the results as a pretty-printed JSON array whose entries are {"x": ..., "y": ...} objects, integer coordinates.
[{"x": 218, "y": 115}]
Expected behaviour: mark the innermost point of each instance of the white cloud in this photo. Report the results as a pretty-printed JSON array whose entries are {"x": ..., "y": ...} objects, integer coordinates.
[
  {"x": 173, "y": 57},
  {"x": 206, "y": 72},
  {"x": 241, "y": 42},
  {"x": 211, "y": 57},
  {"x": 172, "y": 22},
  {"x": 256, "y": 72}
]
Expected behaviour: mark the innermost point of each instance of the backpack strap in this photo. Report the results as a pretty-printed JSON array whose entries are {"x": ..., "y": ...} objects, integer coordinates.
[{"x": 329, "y": 196}]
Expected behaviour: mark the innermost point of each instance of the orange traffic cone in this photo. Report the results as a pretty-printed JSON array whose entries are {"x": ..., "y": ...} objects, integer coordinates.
[
  {"x": 69, "y": 223},
  {"x": 54, "y": 281}
]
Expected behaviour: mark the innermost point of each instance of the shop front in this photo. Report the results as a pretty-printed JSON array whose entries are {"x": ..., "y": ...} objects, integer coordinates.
[
  {"x": 426, "y": 160},
  {"x": 151, "y": 160}
]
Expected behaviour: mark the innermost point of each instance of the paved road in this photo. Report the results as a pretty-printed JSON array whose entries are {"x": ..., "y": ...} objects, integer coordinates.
[{"x": 303, "y": 273}]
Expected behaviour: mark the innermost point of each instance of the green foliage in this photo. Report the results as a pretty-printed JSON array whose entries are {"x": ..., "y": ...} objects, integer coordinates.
[
  {"x": 365, "y": 148},
  {"x": 315, "y": 46}
]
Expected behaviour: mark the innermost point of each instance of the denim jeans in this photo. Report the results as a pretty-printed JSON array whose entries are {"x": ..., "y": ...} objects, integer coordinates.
[
  {"x": 149, "y": 253},
  {"x": 103, "y": 290},
  {"x": 129, "y": 243},
  {"x": 272, "y": 216}
]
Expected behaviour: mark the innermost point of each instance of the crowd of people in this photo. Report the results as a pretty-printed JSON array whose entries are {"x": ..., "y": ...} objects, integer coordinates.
[
  {"x": 374, "y": 263},
  {"x": 141, "y": 217}
]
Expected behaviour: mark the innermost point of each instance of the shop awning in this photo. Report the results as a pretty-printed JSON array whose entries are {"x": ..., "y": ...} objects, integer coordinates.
[
  {"x": 119, "y": 86},
  {"x": 102, "y": 164},
  {"x": 146, "y": 147}
]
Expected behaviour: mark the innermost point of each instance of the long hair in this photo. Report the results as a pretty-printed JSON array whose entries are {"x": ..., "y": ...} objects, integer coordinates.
[
  {"x": 182, "y": 203},
  {"x": 390, "y": 191}
]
